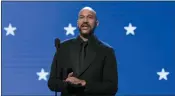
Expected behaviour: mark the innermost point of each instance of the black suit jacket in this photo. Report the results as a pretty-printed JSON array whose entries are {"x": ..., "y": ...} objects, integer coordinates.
[{"x": 99, "y": 71}]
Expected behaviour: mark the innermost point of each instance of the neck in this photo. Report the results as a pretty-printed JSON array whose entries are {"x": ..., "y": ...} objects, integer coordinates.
[{"x": 83, "y": 38}]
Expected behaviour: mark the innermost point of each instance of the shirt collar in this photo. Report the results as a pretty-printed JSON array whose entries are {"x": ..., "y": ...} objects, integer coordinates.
[{"x": 91, "y": 39}]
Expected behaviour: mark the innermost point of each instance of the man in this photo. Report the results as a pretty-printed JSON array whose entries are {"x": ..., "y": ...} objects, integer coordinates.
[{"x": 93, "y": 62}]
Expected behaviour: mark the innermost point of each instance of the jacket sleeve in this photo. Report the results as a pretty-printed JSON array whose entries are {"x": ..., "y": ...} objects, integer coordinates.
[
  {"x": 109, "y": 84},
  {"x": 54, "y": 82}
]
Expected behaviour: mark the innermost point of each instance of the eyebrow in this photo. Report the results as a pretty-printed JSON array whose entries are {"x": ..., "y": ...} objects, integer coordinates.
[{"x": 87, "y": 15}]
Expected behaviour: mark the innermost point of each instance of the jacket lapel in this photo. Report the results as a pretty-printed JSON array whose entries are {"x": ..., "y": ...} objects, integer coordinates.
[
  {"x": 90, "y": 56},
  {"x": 74, "y": 56}
]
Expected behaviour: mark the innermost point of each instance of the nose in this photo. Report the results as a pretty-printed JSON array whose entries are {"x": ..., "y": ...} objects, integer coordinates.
[{"x": 85, "y": 20}]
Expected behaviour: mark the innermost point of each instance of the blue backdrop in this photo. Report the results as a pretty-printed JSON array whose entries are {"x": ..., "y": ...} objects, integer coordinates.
[{"x": 139, "y": 56}]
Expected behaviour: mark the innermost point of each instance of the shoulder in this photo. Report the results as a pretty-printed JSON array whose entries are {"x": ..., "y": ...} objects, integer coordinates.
[
  {"x": 107, "y": 49},
  {"x": 105, "y": 45},
  {"x": 67, "y": 42}
]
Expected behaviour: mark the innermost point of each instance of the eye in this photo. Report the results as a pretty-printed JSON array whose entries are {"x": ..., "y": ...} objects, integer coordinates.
[
  {"x": 81, "y": 17},
  {"x": 91, "y": 17}
]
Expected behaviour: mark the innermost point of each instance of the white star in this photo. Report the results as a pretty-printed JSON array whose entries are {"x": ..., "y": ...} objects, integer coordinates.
[
  {"x": 10, "y": 30},
  {"x": 163, "y": 74},
  {"x": 70, "y": 29},
  {"x": 42, "y": 75},
  {"x": 130, "y": 29}
]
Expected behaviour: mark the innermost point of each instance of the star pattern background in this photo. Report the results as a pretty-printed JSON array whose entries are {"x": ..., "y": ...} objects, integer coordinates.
[{"x": 141, "y": 33}]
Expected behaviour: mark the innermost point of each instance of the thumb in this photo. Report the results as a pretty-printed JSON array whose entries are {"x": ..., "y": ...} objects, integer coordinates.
[{"x": 70, "y": 74}]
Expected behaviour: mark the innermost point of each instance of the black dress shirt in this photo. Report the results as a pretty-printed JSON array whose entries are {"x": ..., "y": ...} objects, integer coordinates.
[{"x": 82, "y": 53}]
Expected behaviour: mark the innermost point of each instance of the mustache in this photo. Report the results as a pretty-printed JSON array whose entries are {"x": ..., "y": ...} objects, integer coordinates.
[{"x": 85, "y": 24}]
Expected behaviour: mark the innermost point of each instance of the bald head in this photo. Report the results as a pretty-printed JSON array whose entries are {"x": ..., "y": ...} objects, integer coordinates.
[
  {"x": 87, "y": 21},
  {"x": 89, "y": 9}
]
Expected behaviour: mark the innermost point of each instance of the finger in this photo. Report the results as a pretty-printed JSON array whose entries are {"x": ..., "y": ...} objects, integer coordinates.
[
  {"x": 82, "y": 84},
  {"x": 73, "y": 80},
  {"x": 70, "y": 80},
  {"x": 70, "y": 74},
  {"x": 76, "y": 81},
  {"x": 67, "y": 79}
]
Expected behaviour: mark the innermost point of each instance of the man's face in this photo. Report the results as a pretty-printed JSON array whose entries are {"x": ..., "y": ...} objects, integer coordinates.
[{"x": 87, "y": 22}]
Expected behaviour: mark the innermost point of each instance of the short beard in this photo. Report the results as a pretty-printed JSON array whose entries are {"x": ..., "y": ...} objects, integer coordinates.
[{"x": 87, "y": 35}]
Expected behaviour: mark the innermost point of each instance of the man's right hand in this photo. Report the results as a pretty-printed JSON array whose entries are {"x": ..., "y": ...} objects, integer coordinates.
[{"x": 74, "y": 80}]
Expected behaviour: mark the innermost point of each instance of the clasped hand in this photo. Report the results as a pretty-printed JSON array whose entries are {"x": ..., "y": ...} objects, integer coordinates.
[{"x": 74, "y": 80}]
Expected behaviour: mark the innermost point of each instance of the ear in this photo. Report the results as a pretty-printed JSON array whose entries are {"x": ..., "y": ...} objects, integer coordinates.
[
  {"x": 77, "y": 22},
  {"x": 97, "y": 22}
]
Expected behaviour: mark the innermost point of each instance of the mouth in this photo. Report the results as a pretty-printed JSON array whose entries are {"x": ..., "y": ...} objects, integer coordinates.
[{"x": 85, "y": 27}]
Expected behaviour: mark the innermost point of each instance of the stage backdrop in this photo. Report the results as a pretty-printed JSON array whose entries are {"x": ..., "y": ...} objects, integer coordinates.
[{"x": 142, "y": 34}]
